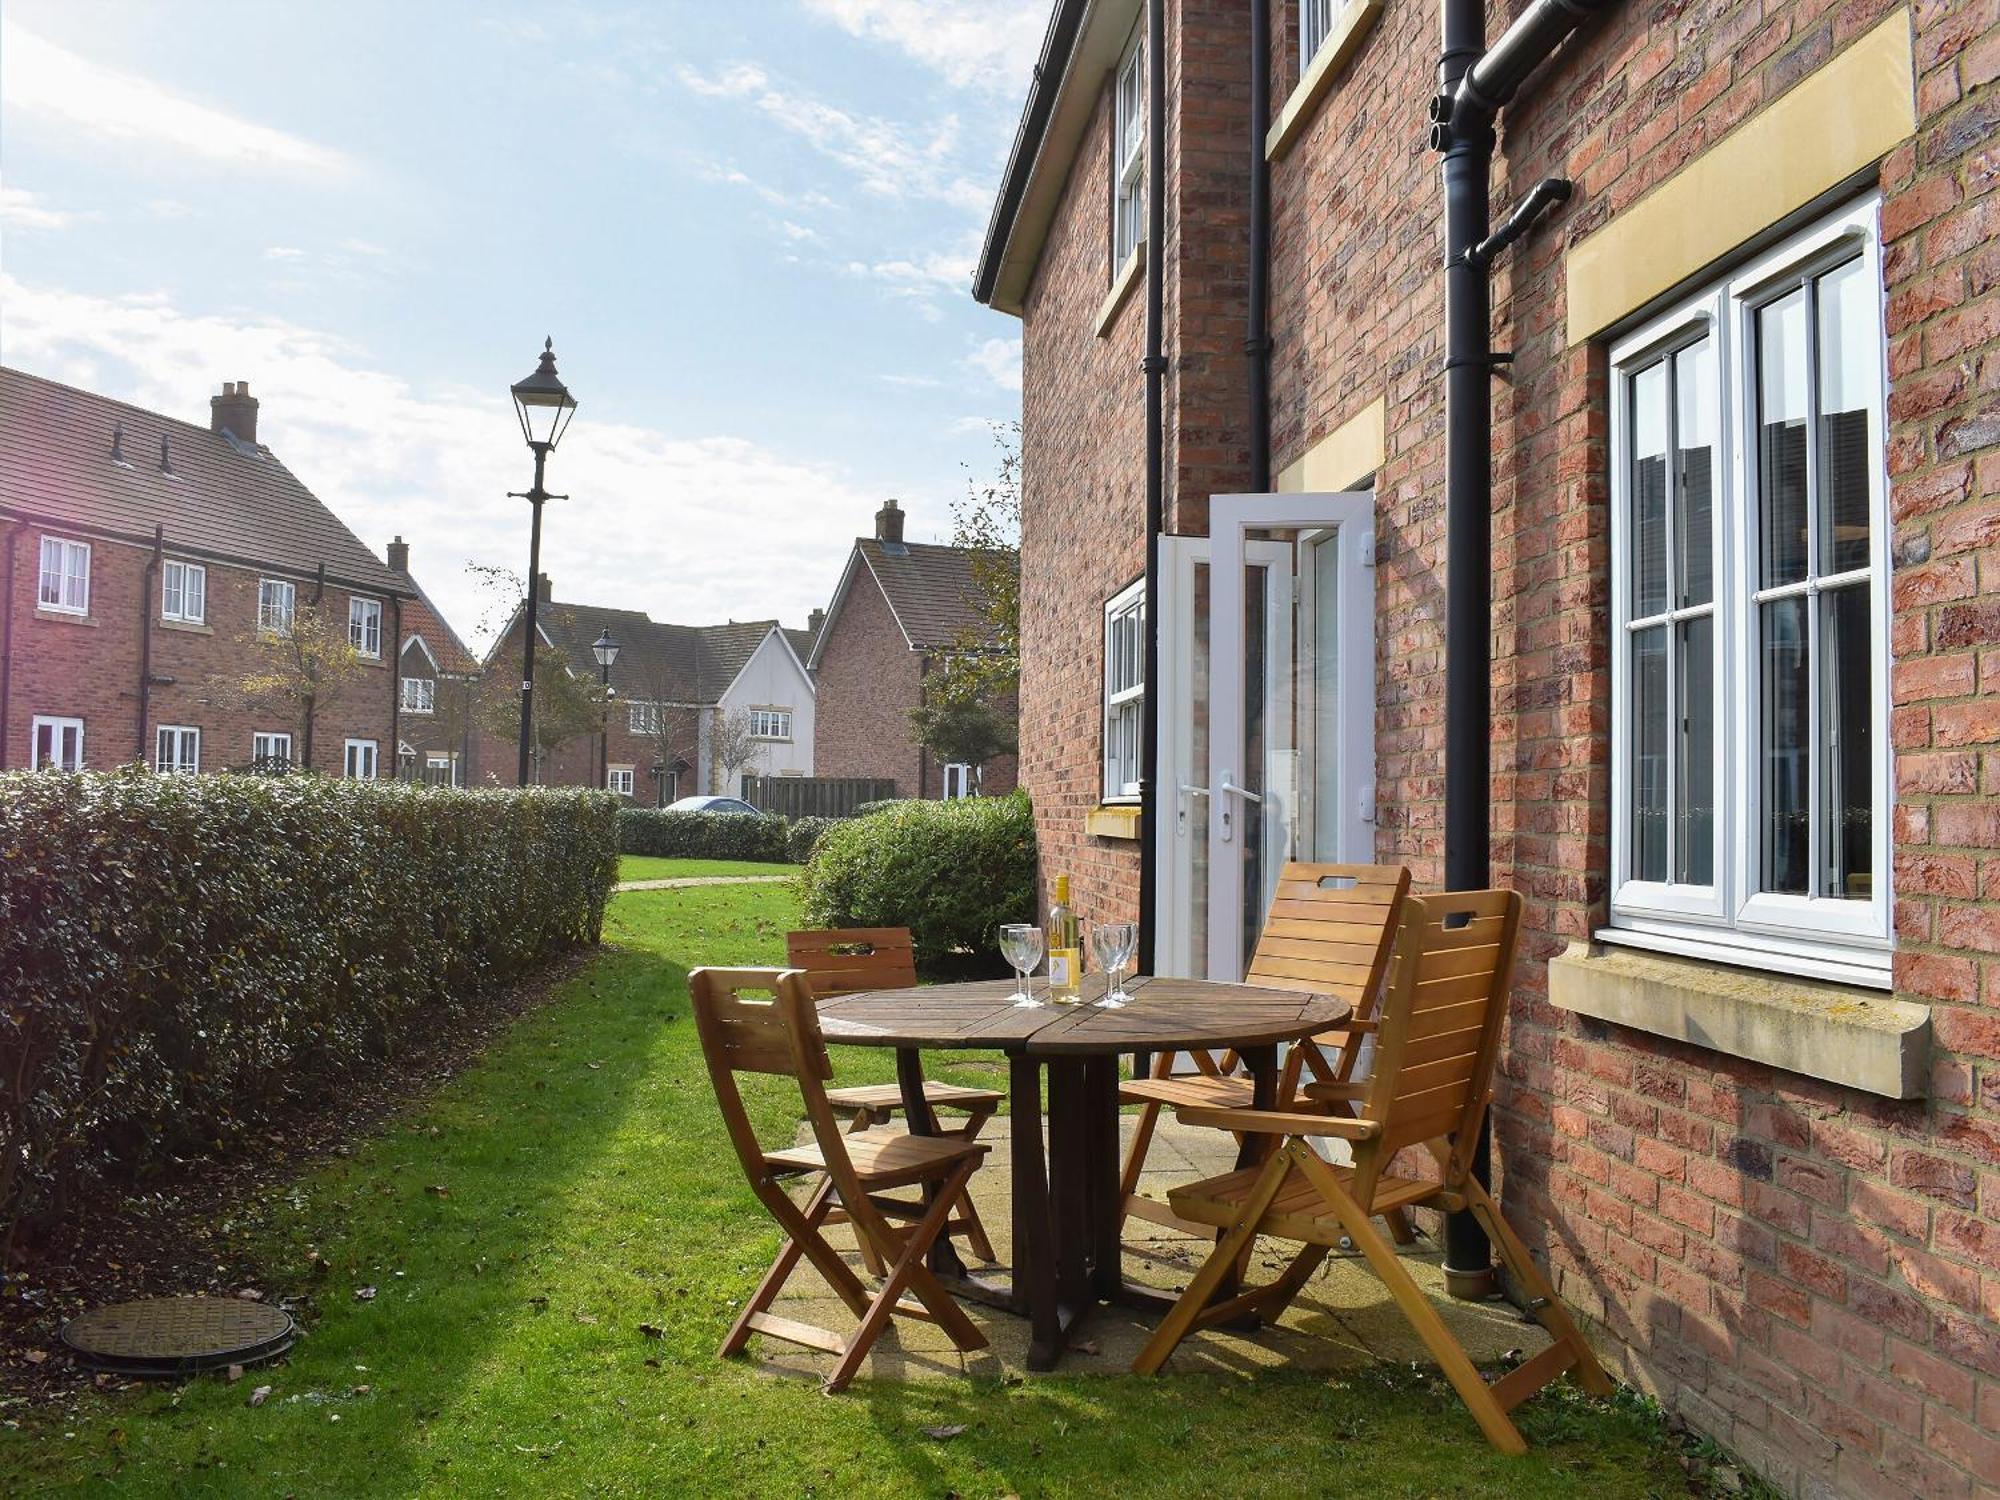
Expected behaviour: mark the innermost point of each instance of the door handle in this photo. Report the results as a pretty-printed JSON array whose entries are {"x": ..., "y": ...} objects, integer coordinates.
[
  {"x": 1181, "y": 805},
  {"x": 1230, "y": 789}
]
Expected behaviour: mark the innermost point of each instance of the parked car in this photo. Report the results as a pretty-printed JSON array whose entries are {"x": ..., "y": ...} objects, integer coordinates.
[{"x": 711, "y": 804}]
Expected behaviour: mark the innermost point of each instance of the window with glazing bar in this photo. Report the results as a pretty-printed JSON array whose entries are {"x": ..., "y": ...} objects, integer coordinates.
[
  {"x": 183, "y": 592},
  {"x": 1124, "y": 693},
  {"x": 1128, "y": 153}
]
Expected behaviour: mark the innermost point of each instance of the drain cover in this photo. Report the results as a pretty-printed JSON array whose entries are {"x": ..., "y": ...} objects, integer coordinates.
[{"x": 178, "y": 1335}]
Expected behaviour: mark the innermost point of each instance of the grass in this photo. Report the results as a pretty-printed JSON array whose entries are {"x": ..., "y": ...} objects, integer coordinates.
[
  {"x": 521, "y": 1227},
  {"x": 651, "y": 867}
]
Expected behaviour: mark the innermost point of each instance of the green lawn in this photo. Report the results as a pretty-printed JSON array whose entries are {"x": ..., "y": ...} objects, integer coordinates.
[
  {"x": 521, "y": 1227},
  {"x": 649, "y": 867}
]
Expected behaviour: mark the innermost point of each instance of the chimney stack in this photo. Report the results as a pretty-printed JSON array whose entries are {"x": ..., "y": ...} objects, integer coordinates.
[
  {"x": 399, "y": 556},
  {"x": 815, "y": 621},
  {"x": 547, "y": 592},
  {"x": 234, "y": 412},
  {"x": 889, "y": 522}
]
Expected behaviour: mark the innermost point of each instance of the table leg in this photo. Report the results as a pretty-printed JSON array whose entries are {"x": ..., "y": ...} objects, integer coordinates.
[
  {"x": 1069, "y": 1182},
  {"x": 1034, "y": 1244},
  {"x": 1101, "y": 1169},
  {"x": 943, "y": 1259}
]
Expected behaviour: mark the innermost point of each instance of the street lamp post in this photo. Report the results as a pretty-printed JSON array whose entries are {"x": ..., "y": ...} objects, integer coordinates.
[
  {"x": 545, "y": 407},
  {"x": 605, "y": 649}
]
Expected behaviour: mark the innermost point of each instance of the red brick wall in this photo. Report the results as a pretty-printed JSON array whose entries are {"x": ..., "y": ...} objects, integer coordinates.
[
  {"x": 60, "y": 666},
  {"x": 869, "y": 680},
  {"x": 1808, "y": 1272}
]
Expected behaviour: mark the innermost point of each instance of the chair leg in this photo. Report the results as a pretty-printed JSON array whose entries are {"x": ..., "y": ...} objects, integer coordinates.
[
  {"x": 1550, "y": 1312},
  {"x": 1276, "y": 1297},
  {"x": 1417, "y": 1310},
  {"x": 781, "y": 1269},
  {"x": 973, "y": 1229},
  {"x": 1221, "y": 1263},
  {"x": 909, "y": 1271},
  {"x": 1135, "y": 1160}
]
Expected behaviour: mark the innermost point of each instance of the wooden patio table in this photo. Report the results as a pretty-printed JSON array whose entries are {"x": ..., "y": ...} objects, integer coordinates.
[{"x": 1066, "y": 1254}]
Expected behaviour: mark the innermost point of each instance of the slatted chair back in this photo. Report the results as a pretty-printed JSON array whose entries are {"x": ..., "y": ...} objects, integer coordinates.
[
  {"x": 847, "y": 960},
  {"x": 1439, "y": 1030},
  {"x": 780, "y": 1035}
]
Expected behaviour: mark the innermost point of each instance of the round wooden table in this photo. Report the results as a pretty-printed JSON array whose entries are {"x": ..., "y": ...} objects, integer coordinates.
[{"x": 1066, "y": 1220}]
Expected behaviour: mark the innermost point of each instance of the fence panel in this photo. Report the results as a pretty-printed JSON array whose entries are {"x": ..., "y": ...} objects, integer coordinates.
[{"x": 814, "y": 796}]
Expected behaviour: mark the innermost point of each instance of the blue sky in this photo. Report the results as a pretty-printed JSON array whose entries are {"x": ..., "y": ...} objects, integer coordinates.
[{"x": 749, "y": 226}]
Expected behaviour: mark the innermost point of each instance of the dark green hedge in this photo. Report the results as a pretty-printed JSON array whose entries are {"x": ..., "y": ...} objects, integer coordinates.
[
  {"x": 803, "y": 837},
  {"x": 184, "y": 957},
  {"x": 951, "y": 872},
  {"x": 702, "y": 835}
]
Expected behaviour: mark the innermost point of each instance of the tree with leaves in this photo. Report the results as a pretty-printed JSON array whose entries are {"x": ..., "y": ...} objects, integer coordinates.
[
  {"x": 299, "y": 672},
  {"x": 731, "y": 748},
  {"x": 963, "y": 730},
  {"x": 567, "y": 706},
  {"x": 983, "y": 665}
]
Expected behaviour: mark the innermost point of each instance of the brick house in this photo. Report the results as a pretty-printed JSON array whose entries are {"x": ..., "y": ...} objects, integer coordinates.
[
  {"x": 142, "y": 559},
  {"x": 438, "y": 684},
  {"x": 898, "y": 609},
  {"x": 679, "y": 690},
  {"x": 1745, "y": 634}
]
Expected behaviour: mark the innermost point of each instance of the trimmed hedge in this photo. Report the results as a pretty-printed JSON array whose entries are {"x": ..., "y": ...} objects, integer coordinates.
[
  {"x": 183, "y": 958},
  {"x": 804, "y": 835},
  {"x": 702, "y": 835},
  {"x": 951, "y": 872}
]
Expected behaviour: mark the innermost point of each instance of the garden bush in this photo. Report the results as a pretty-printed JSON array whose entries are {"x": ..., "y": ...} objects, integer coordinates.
[
  {"x": 702, "y": 835},
  {"x": 184, "y": 957},
  {"x": 951, "y": 872},
  {"x": 804, "y": 836}
]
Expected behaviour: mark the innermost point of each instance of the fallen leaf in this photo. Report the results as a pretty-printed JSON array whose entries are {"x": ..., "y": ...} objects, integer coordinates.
[
  {"x": 1085, "y": 1346},
  {"x": 364, "y": 1294},
  {"x": 250, "y": 1294},
  {"x": 585, "y": 1318},
  {"x": 36, "y": 1356},
  {"x": 436, "y": 1191},
  {"x": 652, "y": 1330},
  {"x": 235, "y": 1373},
  {"x": 945, "y": 1433},
  {"x": 259, "y": 1396}
]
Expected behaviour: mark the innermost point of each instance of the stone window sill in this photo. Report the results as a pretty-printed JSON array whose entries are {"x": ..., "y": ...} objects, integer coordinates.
[
  {"x": 1350, "y": 29},
  {"x": 65, "y": 617},
  {"x": 1121, "y": 287},
  {"x": 1112, "y": 821},
  {"x": 189, "y": 627},
  {"x": 1842, "y": 1034}
]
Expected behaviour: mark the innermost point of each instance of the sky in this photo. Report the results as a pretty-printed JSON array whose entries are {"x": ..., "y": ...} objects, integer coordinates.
[{"x": 749, "y": 227}]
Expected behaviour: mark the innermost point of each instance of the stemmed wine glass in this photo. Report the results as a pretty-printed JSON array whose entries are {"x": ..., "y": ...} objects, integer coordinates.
[
  {"x": 1111, "y": 944},
  {"x": 1021, "y": 946}
]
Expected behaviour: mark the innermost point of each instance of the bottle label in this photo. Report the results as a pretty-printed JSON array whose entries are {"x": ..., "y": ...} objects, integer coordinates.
[{"x": 1063, "y": 971}]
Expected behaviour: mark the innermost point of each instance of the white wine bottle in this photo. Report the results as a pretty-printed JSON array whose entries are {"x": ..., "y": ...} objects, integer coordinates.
[{"x": 1065, "y": 952}]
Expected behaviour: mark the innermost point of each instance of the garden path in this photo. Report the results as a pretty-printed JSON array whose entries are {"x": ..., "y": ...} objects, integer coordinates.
[{"x": 687, "y": 880}]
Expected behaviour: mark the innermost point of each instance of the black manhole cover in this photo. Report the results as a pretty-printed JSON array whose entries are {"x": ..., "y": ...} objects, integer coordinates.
[{"x": 178, "y": 1335}]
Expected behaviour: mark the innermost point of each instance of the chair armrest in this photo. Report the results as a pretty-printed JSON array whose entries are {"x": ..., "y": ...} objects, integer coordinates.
[
  {"x": 1279, "y": 1122},
  {"x": 1341, "y": 1093}
]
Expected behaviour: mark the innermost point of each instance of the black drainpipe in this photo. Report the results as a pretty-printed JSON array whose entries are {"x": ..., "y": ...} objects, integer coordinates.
[
  {"x": 1257, "y": 341},
  {"x": 1155, "y": 367},
  {"x": 7, "y": 643},
  {"x": 147, "y": 593},
  {"x": 1473, "y": 84}
]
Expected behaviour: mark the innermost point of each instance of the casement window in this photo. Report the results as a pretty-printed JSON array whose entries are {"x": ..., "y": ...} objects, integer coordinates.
[
  {"x": 55, "y": 744},
  {"x": 65, "y": 585},
  {"x": 270, "y": 749},
  {"x": 1751, "y": 767},
  {"x": 619, "y": 779},
  {"x": 277, "y": 602},
  {"x": 183, "y": 592},
  {"x": 644, "y": 718},
  {"x": 360, "y": 762},
  {"x": 958, "y": 781},
  {"x": 419, "y": 695},
  {"x": 1315, "y": 21},
  {"x": 1124, "y": 692},
  {"x": 770, "y": 723},
  {"x": 177, "y": 749},
  {"x": 364, "y": 626},
  {"x": 1128, "y": 153},
  {"x": 440, "y": 770}
]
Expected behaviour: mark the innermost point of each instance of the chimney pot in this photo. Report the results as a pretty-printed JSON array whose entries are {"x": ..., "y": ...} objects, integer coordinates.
[
  {"x": 547, "y": 592},
  {"x": 399, "y": 556},
  {"x": 889, "y": 522},
  {"x": 234, "y": 412}
]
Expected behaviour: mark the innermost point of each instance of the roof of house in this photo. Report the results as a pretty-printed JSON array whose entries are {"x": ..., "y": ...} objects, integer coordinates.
[
  {"x": 657, "y": 662},
  {"x": 422, "y": 617},
  {"x": 932, "y": 590},
  {"x": 217, "y": 497}
]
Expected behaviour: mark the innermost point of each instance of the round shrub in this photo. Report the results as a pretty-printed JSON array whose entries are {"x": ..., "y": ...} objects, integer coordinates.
[
  {"x": 951, "y": 872},
  {"x": 701, "y": 835},
  {"x": 804, "y": 837}
]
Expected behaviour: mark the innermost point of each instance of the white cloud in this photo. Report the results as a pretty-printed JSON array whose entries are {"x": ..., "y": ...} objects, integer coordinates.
[
  {"x": 41, "y": 79},
  {"x": 999, "y": 360},
  {"x": 21, "y": 209},
  {"x": 971, "y": 42},
  {"x": 283, "y": 252},
  {"x": 690, "y": 528}
]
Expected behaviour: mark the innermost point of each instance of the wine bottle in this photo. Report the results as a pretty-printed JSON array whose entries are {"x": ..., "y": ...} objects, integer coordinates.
[{"x": 1065, "y": 952}]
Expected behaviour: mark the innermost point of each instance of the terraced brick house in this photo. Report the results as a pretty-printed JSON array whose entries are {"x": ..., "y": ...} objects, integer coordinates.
[
  {"x": 1734, "y": 394},
  {"x": 143, "y": 560}
]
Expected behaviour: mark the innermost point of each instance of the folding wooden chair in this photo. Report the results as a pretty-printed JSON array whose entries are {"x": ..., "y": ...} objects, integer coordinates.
[
  {"x": 845, "y": 961},
  {"x": 1329, "y": 932},
  {"x": 782, "y": 1036},
  {"x": 1431, "y": 1085}
]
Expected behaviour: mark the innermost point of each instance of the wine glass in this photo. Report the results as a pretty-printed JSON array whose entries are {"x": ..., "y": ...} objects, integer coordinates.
[
  {"x": 1111, "y": 944},
  {"x": 1021, "y": 946}
]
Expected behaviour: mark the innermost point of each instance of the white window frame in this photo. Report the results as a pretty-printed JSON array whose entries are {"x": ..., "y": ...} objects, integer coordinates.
[
  {"x": 277, "y": 605},
  {"x": 364, "y": 624},
  {"x": 773, "y": 724},
  {"x": 619, "y": 779},
  {"x": 176, "y": 749},
  {"x": 358, "y": 754},
  {"x": 183, "y": 591},
  {"x": 1122, "y": 703},
  {"x": 438, "y": 760},
  {"x": 1315, "y": 26},
  {"x": 1850, "y": 940},
  {"x": 958, "y": 781},
  {"x": 419, "y": 695},
  {"x": 271, "y": 744},
  {"x": 644, "y": 718},
  {"x": 57, "y": 726},
  {"x": 68, "y": 600},
  {"x": 1128, "y": 151}
]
